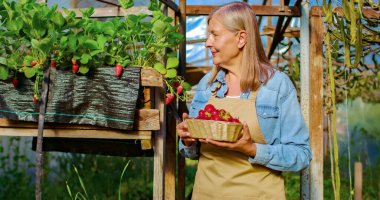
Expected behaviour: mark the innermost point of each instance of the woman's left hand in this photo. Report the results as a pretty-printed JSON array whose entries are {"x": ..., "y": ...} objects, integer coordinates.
[{"x": 244, "y": 144}]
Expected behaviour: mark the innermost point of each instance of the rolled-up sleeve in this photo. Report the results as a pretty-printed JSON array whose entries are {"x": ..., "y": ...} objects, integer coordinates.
[{"x": 191, "y": 151}]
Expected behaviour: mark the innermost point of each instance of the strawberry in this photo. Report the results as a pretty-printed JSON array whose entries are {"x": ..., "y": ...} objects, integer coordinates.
[
  {"x": 176, "y": 84},
  {"x": 216, "y": 118},
  {"x": 118, "y": 70},
  {"x": 53, "y": 63},
  {"x": 15, "y": 82},
  {"x": 236, "y": 120},
  {"x": 35, "y": 99},
  {"x": 75, "y": 68},
  {"x": 73, "y": 61},
  {"x": 201, "y": 114},
  {"x": 169, "y": 98},
  {"x": 33, "y": 63},
  {"x": 209, "y": 108},
  {"x": 179, "y": 89}
]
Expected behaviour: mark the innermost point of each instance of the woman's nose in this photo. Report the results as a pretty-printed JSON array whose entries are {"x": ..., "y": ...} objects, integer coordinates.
[{"x": 208, "y": 43}]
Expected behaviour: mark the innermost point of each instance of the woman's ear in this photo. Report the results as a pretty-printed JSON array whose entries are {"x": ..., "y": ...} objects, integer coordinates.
[{"x": 242, "y": 38}]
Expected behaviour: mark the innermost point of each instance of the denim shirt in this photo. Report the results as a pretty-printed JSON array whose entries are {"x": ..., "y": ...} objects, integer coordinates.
[{"x": 280, "y": 119}]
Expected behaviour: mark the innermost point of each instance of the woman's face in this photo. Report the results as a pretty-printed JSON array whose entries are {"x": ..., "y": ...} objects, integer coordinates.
[{"x": 223, "y": 44}]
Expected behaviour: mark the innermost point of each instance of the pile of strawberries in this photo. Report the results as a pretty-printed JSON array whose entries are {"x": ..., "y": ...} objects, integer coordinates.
[{"x": 211, "y": 113}]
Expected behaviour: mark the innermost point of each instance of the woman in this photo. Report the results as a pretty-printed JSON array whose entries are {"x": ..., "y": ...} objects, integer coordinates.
[{"x": 275, "y": 137}]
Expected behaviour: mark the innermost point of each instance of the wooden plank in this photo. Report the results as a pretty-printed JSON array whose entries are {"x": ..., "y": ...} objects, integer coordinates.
[
  {"x": 170, "y": 159},
  {"x": 183, "y": 70},
  {"x": 171, "y": 5},
  {"x": 112, "y": 11},
  {"x": 159, "y": 148},
  {"x": 316, "y": 107},
  {"x": 370, "y": 13},
  {"x": 289, "y": 11},
  {"x": 147, "y": 119},
  {"x": 76, "y": 133},
  {"x": 358, "y": 181},
  {"x": 150, "y": 77}
]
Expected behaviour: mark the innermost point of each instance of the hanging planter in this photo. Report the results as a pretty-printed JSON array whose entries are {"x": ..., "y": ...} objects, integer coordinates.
[
  {"x": 95, "y": 99},
  {"x": 93, "y": 78}
]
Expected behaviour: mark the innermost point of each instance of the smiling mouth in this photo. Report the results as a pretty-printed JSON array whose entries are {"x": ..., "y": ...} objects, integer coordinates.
[{"x": 213, "y": 53}]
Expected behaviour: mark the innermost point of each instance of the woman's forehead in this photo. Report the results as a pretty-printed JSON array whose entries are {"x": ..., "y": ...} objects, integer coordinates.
[{"x": 215, "y": 24}]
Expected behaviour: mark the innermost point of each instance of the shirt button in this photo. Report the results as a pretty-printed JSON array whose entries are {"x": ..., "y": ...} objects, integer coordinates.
[{"x": 265, "y": 114}]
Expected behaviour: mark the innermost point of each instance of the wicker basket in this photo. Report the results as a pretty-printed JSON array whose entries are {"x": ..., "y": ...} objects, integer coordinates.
[{"x": 216, "y": 130}]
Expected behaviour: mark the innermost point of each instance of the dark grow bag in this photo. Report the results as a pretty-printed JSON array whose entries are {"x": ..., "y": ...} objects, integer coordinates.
[{"x": 99, "y": 98}]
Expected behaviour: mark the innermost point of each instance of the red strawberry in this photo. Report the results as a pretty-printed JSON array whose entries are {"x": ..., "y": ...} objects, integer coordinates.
[
  {"x": 201, "y": 114},
  {"x": 75, "y": 68},
  {"x": 35, "y": 99},
  {"x": 236, "y": 120},
  {"x": 15, "y": 82},
  {"x": 207, "y": 115},
  {"x": 216, "y": 118},
  {"x": 179, "y": 89},
  {"x": 176, "y": 84},
  {"x": 53, "y": 63},
  {"x": 209, "y": 108},
  {"x": 169, "y": 98},
  {"x": 33, "y": 63},
  {"x": 118, "y": 70},
  {"x": 215, "y": 113}
]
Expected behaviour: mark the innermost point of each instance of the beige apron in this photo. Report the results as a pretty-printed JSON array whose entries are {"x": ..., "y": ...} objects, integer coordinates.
[{"x": 224, "y": 174}]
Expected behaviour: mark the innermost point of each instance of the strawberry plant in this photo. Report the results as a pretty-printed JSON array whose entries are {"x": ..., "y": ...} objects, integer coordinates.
[{"x": 34, "y": 37}]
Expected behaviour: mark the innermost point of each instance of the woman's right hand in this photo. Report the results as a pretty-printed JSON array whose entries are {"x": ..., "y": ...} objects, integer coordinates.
[{"x": 183, "y": 131}]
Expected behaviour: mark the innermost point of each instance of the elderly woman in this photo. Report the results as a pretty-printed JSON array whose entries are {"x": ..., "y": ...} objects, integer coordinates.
[{"x": 275, "y": 137}]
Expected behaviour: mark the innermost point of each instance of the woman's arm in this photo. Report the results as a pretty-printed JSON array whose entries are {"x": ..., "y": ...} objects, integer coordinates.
[{"x": 292, "y": 152}]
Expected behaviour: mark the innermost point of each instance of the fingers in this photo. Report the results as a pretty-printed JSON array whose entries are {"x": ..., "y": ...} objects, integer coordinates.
[{"x": 185, "y": 116}]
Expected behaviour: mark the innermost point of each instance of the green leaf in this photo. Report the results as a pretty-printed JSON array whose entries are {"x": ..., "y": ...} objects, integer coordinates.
[
  {"x": 90, "y": 44},
  {"x": 46, "y": 44},
  {"x": 159, "y": 28},
  {"x": 63, "y": 41},
  {"x": 35, "y": 43},
  {"x": 58, "y": 19},
  {"x": 29, "y": 72},
  {"x": 4, "y": 73},
  {"x": 38, "y": 27},
  {"x": 15, "y": 25},
  {"x": 85, "y": 58},
  {"x": 108, "y": 28},
  {"x": 73, "y": 43},
  {"x": 27, "y": 60},
  {"x": 126, "y": 3},
  {"x": 3, "y": 61},
  {"x": 171, "y": 73},
  {"x": 101, "y": 39},
  {"x": 186, "y": 86},
  {"x": 358, "y": 47},
  {"x": 94, "y": 52},
  {"x": 83, "y": 69},
  {"x": 160, "y": 68},
  {"x": 172, "y": 62}
]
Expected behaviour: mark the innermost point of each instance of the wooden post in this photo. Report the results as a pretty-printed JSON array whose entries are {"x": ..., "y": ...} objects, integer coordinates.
[
  {"x": 182, "y": 105},
  {"x": 159, "y": 148},
  {"x": 358, "y": 180},
  {"x": 316, "y": 107},
  {"x": 170, "y": 149}
]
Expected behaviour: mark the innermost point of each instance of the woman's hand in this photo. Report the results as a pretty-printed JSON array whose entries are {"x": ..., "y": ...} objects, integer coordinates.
[
  {"x": 244, "y": 144},
  {"x": 183, "y": 131}
]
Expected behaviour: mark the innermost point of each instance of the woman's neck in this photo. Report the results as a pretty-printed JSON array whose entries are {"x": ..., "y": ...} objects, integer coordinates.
[{"x": 233, "y": 83}]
